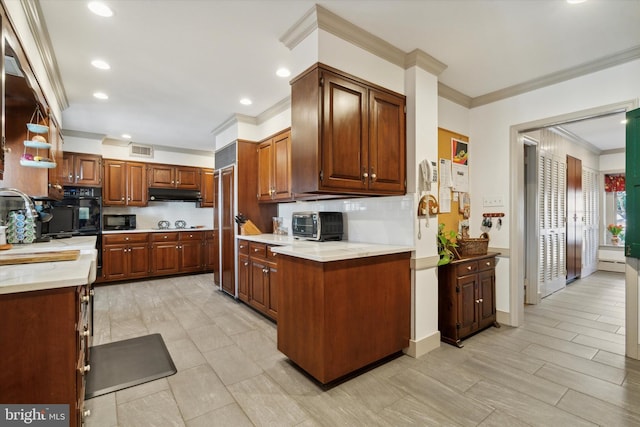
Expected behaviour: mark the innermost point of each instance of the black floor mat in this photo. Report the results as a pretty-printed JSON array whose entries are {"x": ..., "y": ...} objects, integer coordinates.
[{"x": 126, "y": 363}]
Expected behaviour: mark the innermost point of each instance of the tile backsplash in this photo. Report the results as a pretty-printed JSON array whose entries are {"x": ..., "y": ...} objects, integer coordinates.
[
  {"x": 149, "y": 216},
  {"x": 386, "y": 220}
]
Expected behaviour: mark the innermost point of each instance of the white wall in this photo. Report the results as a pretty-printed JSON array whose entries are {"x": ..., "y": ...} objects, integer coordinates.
[
  {"x": 490, "y": 137},
  {"x": 160, "y": 154},
  {"x": 612, "y": 162}
]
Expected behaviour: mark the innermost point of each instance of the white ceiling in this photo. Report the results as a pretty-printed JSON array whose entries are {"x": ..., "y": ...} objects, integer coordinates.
[{"x": 179, "y": 67}]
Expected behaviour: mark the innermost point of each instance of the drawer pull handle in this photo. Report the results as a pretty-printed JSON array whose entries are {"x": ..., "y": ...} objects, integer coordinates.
[
  {"x": 488, "y": 263},
  {"x": 265, "y": 270},
  {"x": 165, "y": 237},
  {"x": 256, "y": 250},
  {"x": 469, "y": 268},
  {"x": 86, "y": 413}
]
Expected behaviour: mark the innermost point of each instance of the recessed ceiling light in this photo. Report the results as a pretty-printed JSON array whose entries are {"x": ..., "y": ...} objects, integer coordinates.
[
  {"x": 283, "y": 72},
  {"x": 246, "y": 101},
  {"x": 126, "y": 136},
  {"x": 623, "y": 121},
  {"x": 99, "y": 63},
  {"x": 576, "y": 1},
  {"x": 100, "y": 9},
  {"x": 100, "y": 95}
]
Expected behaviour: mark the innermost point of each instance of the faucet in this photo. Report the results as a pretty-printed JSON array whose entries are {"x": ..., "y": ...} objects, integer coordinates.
[{"x": 28, "y": 203}]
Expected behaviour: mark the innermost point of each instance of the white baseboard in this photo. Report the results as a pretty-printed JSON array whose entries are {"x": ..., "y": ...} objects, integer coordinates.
[
  {"x": 502, "y": 317},
  {"x": 423, "y": 346},
  {"x": 611, "y": 265}
]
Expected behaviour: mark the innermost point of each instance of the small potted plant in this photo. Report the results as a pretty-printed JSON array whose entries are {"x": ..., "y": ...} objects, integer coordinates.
[
  {"x": 615, "y": 230},
  {"x": 446, "y": 245}
]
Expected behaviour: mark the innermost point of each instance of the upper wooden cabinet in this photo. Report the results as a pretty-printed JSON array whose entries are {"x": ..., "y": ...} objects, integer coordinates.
[
  {"x": 207, "y": 189},
  {"x": 56, "y": 176},
  {"x": 125, "y": 183},
  {"x": 274, "y": 168},
  {"x": 81, "y": 169},
  {"x": 348, "y": 135},
  {"x": 171, "y": 176}
]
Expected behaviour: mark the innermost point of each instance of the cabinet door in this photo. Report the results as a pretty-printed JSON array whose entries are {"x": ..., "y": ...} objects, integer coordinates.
[
  {"x": 67, "y": 168},
  {"x": 191, "y": 255},
  {"x": 258, "y": 284},
  {"x": 56, "y": 175},
  {"x": 207, "y": 188},
  {"x": 281, "y": 174},
  {"x": 115, "y": 183},
  {"x": 487, "y": 306},
  {"x": 227, "y": 232},
  {"x": 272, "y": 294},
  {"x": 88, "y": 170},
  {"x": 138, "y": 260},
  {"x": 114, "y": 262},
  {"x": 387, "y": 143},
  {"x": 344, "y": 134},
  {"x": 467, "y": 306},
  {"x": 136, "y": 184},
  {"x": 265, "y": 171},
  {"x": 243, "y": 278},
  {"x": 162, "y": 176},
  {"x": 188, "y": 178},
  {"x": 164, "y": 258}
]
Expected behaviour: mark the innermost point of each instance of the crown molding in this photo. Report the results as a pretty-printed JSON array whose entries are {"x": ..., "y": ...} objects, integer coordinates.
[
  {"x": 299, "y": 31},
  {"x": 274, "y": 110},
  {"x": 421, "y": 59},
  {"x": 613, "y": 151},
  {"x": 453, "y": 95},
  {"x": 38, "y": 28},
  {"x": 83, "y": 134},
  {"x": 577, "y": 140},
  {"x": 558, "y": 77}
]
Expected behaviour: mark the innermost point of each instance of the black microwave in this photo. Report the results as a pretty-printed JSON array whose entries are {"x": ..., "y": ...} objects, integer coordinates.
[
  {"x": 119, "y": 222},
  {"x": 318, "y": 225}
]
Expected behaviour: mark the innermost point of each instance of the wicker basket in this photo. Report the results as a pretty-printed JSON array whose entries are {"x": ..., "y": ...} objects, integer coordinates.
[{"x": 471, "y": 246}]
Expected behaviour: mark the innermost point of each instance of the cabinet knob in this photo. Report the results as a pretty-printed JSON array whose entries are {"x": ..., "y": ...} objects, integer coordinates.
[
  {"x": 265, "y": 270},
  {"x": 246, "y": 264},
  {"x": 241, "y": 246},
  {"x": 122, "y": 198},
  {"x": 92, "y": 292},
  {"x": 373, "y": 177},
  {"x": 86, "y": 368},
  {"x": 365, "y": 175},
  {"x": 86, "y": 413},
  {"x": 84, "y": 298},
  {"x": 165, "y": 237},
  {"x": 469, "y": 268},
  {"x": 481, "y": 300},
  {"x": 256, "y": 250},
  {"x": 126, "y": 238},
  {"x": 477, "y": 301},
  {"x": 488, "y": 263},
  {"x": 77, "y": 176},
  {"x": 86, "y": 332}
]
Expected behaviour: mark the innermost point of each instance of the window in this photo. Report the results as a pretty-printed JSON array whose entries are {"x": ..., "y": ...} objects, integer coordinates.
[{"x": 615, "y": 204}]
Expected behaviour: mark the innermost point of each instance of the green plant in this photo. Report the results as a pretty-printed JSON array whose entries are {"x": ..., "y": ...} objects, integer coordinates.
[
  {"x": 615, "y": 229},
  {"x": 446, "y": 245}
]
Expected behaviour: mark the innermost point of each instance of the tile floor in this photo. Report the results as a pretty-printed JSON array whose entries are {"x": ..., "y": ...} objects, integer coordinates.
[{"x": 564, "y": 367}]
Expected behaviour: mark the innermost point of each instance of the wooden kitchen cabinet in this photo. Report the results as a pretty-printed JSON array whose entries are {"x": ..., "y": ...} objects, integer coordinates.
[
  {"x": 466, "y": 297},
  {"x": 125, "y": 183},
  {"x": 337, "y": 317},
  {"x": 56, "y": 175},
  {"x": 355, "y": 140},
  {"x": 191, "y": 251},
  {"x": 211, "y": 250},
  {"x": 125, "y": 256},
  {"x": 165, "y": 258},
  {"x": 258, "y": 277},
  {"x": 46, "y": 353},
  {"x": 207, "y": 188},
  {"x": 82, "y": 169},
  {"x": 172, "y": 176},
  {"x": 274, "y": 168}
]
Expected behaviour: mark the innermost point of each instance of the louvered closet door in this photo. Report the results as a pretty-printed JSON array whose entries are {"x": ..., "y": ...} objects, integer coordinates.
[
  {"x": 575, "y": 218},
  {"x": 590, "y": 241},
  {"x": 552, "y": 212}
]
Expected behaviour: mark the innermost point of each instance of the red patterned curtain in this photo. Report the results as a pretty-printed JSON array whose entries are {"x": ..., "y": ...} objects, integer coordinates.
[{"x": 613, "y": 183}]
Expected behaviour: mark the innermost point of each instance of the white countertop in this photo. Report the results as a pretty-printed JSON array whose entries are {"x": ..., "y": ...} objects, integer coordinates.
[
  {"x": 155, "y": 230},
  {"x": 325, "y": 251},
  {"x": 50, "y": 275}
]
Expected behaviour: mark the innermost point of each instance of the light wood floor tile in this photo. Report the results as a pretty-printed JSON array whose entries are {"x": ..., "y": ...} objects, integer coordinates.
[{"x": 597, "y": 411}]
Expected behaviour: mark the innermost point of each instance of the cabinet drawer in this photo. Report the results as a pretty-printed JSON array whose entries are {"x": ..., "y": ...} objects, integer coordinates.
[
  {"x": 243, "y": 247},
  {"x": 258, "y": 250},
  {"x": 113, "y": 239},
  {"x": 486, "y": 264},
  {"x": 467, "y": 268},
  {"x": 190, "y": 235},
  {"x": 271, "y": 255},
  {"x": 164, "y": 237}
]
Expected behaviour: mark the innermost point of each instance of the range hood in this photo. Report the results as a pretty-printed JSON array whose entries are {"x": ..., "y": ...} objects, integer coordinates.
[{"x": 174, "y": 195}]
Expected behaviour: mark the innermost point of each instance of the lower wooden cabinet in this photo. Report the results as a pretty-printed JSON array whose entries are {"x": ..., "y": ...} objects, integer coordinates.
[
  {"x": 258, "y": 277},
  {"x": 139, "y": 255},
  {"x": 45, "y": 353},
  {"x": 125, "y": 256},
  {"x": 466, "y": 297}
]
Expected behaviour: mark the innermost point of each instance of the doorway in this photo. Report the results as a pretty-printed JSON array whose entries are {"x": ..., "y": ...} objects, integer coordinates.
[{"x": 520, "y": 257}]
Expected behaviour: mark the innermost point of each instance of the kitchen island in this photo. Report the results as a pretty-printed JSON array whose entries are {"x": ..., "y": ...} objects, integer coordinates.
[
  {"x": 341, "y": 306},
  {"x": 44, "y": 338}
]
